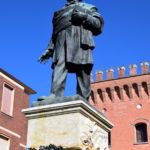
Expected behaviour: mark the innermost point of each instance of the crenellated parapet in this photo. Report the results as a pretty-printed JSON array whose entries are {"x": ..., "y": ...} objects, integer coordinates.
[
  {"x": 124, "y": 88},
  {"x": 121, "y": 72}
]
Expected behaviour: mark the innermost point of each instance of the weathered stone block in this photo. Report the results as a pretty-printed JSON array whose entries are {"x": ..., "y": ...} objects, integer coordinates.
[{"x": 72, "y": 125}]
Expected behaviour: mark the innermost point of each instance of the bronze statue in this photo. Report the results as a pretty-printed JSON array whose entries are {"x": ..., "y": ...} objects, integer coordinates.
[{"x": 71, "y": 48}]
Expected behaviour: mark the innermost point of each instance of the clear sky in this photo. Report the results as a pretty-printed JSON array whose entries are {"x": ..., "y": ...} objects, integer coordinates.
[{"x": 26, "y": 26}]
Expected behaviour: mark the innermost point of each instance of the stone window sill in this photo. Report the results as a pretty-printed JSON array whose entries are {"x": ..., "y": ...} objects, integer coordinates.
[
  {"x": 10, "y": 116},
  {"x": 141, "y": 143}
]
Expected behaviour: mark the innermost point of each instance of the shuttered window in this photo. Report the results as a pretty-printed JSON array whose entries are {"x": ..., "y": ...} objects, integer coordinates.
[
  {"x": 7, "y": 99},
  {"x": 4, "y": 143},
  {"x": 141, "y": 133}
]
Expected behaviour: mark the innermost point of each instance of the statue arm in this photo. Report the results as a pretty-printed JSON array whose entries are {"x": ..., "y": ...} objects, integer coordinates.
[
  {"x": 89, "y": 18},
  {"x": 94, "y": 21},
  {"x": 48, "y": 52}
]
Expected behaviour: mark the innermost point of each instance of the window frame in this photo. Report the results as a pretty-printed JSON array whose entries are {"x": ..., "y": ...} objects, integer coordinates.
[
  {"x": 7, "y": 138},
  {"x": 136, "y": 136},
  {"x": 12, "y": 99}
]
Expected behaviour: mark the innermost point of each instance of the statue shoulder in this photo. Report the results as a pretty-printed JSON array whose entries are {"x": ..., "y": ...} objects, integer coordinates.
[
  {"x": 64, "y": 10},
  {"x": 59, "y": 11},
  {"x": 87, "y": 6}
]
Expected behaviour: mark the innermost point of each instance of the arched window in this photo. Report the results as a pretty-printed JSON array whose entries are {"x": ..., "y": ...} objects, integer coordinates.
[
  {"x": 108, "y": 91},
  {"x": 141, "y": 133},
  {"x": 117, "y": 90},
  {"x": 144, "y": 85},
  {"x": 135, "y": 88},
  {"x": 92, "y": 97},
  {"x": 100, "y": 93},
  {"x": 126, "y": 89}
]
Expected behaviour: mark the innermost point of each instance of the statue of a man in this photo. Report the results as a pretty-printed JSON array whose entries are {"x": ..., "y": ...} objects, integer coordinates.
[{"x": 71, "y": 48}]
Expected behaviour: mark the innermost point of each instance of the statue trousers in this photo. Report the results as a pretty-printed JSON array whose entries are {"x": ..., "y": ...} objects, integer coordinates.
[{"x": 60, "y": 72}]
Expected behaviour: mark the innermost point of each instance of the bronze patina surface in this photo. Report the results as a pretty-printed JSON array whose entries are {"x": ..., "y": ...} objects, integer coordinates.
[{"x": 71, "y": 48}]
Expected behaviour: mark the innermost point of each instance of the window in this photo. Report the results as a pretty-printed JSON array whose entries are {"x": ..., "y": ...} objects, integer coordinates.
[
  {"x": 4, "y": 142},
  {"x": 7, "y": 99},
  {"x": 141, "y": 133},
  {"x": 109, "y": 138},
  {"x": 100, "y": 93}
]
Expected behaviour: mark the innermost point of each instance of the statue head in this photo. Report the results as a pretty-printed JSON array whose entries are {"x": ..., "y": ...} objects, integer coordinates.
[{"x": 73, "y": 0}]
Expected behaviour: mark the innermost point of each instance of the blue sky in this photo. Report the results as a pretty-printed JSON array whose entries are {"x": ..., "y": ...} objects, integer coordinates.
[{"x": 26, "y": 26}]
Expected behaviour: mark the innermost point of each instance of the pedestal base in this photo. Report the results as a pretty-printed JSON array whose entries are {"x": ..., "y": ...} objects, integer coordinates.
[{"x": 72, "y": 125}]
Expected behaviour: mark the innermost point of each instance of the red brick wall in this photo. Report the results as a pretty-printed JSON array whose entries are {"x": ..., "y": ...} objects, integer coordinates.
[
  {"x": 16, "y": 123},
  {"x": 118, "y": 99}
]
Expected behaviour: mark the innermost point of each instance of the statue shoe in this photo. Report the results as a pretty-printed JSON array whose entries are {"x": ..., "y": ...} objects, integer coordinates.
[
  {"x": 46, "y": 100},
  {"x": 42, "y": 98}
]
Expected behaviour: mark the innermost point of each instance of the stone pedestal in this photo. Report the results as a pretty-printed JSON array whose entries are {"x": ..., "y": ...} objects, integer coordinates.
[{"x": 72, "y": 125}]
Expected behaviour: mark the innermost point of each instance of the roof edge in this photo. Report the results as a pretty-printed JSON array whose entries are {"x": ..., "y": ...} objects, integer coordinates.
[{"x": 27, "y": 89}]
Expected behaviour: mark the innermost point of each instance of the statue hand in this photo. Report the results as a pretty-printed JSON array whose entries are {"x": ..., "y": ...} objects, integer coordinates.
[
  {"x": 79, "y": 16},
  {"x": 45, "y": 56}
]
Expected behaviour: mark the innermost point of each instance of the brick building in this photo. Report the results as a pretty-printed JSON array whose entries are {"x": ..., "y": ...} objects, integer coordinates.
[
  {"x": 14, "y": 96},
  {"x": 125, "y": 101}
]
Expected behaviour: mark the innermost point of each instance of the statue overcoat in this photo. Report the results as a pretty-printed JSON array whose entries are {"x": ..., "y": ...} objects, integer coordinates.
[{"x": 78, "y": 36}]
